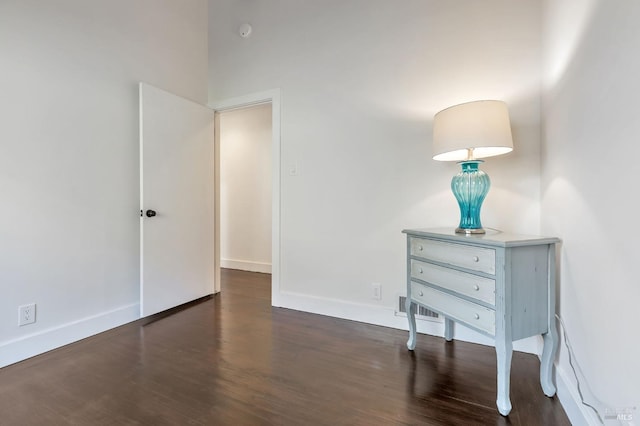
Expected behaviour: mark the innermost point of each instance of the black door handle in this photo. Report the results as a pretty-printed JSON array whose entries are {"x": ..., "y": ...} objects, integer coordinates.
[{"x": 151, "y": 213}]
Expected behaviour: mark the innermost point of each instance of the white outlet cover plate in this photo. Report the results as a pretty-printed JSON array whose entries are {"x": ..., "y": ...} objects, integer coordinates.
[{"x": 26, "y": 314}]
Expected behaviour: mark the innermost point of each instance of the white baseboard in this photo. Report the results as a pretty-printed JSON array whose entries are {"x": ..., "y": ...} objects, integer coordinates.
[
  {"x": 578, "y": 413},
  {"x": 24, "y": 347},
  {"x": 246, "y": 265},
  {"x": 386, "y": 317}
]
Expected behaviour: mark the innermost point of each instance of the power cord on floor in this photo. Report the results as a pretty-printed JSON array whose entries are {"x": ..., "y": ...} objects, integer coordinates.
[{"x": 575, "y": 374}]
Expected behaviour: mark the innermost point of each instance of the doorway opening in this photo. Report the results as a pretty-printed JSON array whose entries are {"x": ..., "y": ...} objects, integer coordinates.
[
  {"x": 247, "y": 182},
  {"x": 245, "y": 188}
]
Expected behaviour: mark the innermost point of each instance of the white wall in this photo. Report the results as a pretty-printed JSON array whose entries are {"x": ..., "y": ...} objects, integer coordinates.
[
  {"x": 69, "y": 226},
  {"x": 589, "y": 194},
  {"x": 360, "y": 83},
  {"x": 245, "y": 188}
]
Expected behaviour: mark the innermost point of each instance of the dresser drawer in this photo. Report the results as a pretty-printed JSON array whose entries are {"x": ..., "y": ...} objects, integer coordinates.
[
  {"x": 465, "y": 256},
  {"x": 458, "y": 309},
  {"x": 470, "y": 285}
]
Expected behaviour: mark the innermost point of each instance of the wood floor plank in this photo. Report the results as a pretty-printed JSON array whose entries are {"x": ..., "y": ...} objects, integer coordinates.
[{"x": 234, "y": 360}]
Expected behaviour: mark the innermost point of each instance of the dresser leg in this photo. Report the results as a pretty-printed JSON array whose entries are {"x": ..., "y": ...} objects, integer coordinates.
[
  {"x": 551, "y": 336},
  {"x": 504, "y": 350},
  {"x": 448, "y": 329},
  {"x": 411, "y": 316},
  {"x": 546, "y": 363}
]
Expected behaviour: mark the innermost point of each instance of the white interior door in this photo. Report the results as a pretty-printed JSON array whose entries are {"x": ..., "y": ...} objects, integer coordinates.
[{"x": 177, "y": 184}]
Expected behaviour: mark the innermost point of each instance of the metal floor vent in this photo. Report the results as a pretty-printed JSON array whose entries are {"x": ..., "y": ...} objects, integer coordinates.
[{"x": 421, "y": 311}]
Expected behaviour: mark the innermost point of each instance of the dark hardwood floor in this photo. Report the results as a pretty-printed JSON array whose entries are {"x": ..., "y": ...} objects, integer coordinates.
[{"x": 234, "y": 360}]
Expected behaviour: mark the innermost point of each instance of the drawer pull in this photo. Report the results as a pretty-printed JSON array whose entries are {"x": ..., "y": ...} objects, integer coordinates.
[
  {"x": 421, "y": 293},
  {"x": 420, "y": 270},
  {"x": 476, "y": 287},
  {"x": 476, "y": 316},
  {"x": 420, "y": 248},
  {"x": 476, "y": 259}
]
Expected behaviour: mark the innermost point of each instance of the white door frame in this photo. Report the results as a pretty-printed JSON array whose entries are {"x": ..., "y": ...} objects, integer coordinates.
[{"x": 272, "y": 97}]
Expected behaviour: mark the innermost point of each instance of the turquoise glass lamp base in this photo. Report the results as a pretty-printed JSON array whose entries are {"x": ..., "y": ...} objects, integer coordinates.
[{"x": 470, "y": 187}]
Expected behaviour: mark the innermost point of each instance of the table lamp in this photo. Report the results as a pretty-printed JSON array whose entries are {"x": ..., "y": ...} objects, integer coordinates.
[{"x": 465, "y": 133}]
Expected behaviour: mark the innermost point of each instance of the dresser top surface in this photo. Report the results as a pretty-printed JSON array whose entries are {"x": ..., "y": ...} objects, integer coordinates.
[{"x": 493, "y": 237}]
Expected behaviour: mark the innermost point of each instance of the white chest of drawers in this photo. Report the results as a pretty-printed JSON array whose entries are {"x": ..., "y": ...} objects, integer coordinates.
[{"x": 499, "y": 284}]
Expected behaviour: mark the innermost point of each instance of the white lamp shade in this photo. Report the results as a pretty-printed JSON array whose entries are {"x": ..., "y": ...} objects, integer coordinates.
[{"x": 481, "y": 125}]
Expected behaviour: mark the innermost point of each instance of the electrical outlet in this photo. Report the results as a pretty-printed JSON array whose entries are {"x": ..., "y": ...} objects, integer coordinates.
[
  {"x": 26, "y": 314},
  {"x": 376, "y": 291}
]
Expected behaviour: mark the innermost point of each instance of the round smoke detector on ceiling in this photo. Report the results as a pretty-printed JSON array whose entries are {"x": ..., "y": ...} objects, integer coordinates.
[{"x": 245, "y": 30}]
